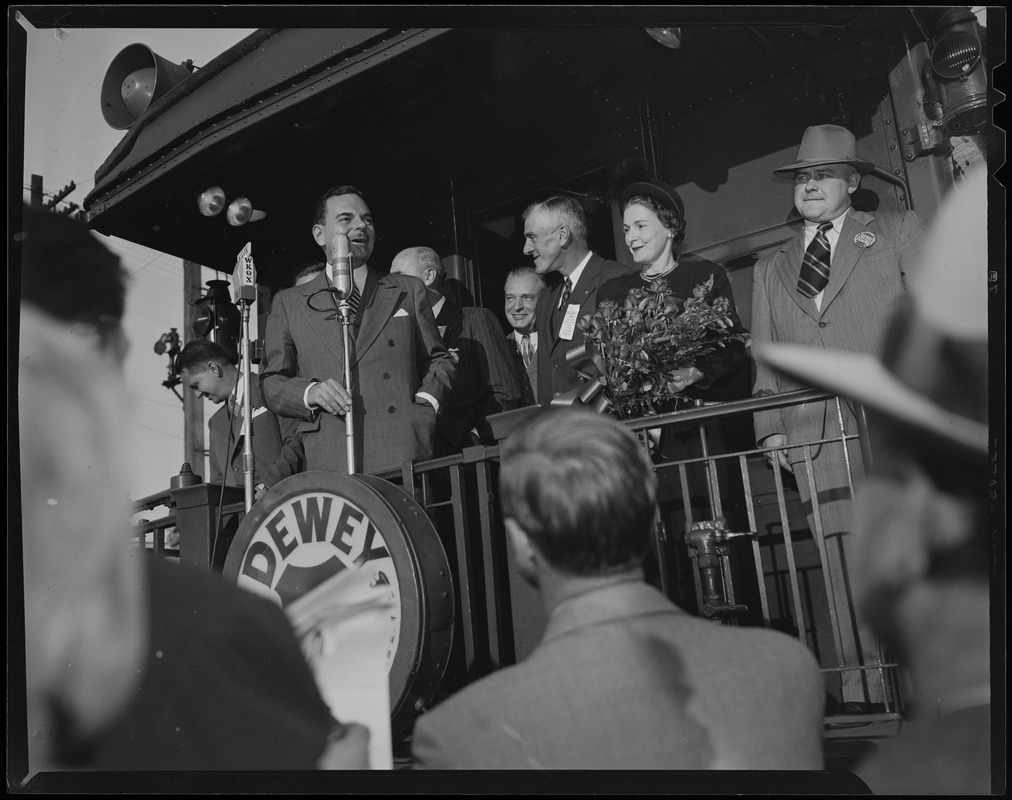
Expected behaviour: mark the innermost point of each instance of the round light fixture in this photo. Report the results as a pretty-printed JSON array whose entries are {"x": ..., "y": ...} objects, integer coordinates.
[
  {"x": 239, "y": 211},
  {"x": 212, "y": 201}
]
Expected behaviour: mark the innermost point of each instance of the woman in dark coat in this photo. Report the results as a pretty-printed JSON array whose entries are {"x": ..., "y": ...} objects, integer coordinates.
[{"x": 653, "y": 218}]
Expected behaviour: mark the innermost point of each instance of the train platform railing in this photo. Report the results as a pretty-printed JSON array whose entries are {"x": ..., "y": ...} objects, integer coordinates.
[{"x": 733, "y": 541}]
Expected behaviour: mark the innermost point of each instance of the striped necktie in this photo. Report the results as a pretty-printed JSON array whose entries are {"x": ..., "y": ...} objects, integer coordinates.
[
  {"x": 815, "y": 266},
  {"x": 354, "y": 301},
  {"x": 527, "y": 350},
  {"x": 567, "y": 290}
]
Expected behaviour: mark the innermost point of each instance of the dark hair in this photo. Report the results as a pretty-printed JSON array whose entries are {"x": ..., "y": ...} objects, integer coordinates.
[
  {"x": 335, "y": 191},
  {"x": 669, "y": 217},
  {"x": 580, "y": 485},
  {"x": 199, "y": 352},
  {"x": 68, "y": 273},
  {"x": 564, "y": 210}
]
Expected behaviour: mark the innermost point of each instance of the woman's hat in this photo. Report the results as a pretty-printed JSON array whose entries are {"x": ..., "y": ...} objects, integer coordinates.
[
  {"x": 661, "y": 192},
  {"x": 932, "y": 373},
  {"x": 827, "y": 144}
]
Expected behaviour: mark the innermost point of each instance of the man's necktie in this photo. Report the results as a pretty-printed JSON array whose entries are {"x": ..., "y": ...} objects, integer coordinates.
[
  {"x": 234, "y": 408},
  {"x": 566, "y": 291},
  {"x": 354, "y": 301},
  {"x": 815, "y": 266},
  {"x": 527, "y": 350}
]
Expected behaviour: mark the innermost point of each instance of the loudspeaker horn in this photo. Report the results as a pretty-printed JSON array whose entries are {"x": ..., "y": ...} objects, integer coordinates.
[{"x": 136, "y": 78}]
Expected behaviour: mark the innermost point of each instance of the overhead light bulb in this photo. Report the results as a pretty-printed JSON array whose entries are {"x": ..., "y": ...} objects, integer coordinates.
[
  {"x": 212, "y": 201},
  {"x": 239, "y": 211}
]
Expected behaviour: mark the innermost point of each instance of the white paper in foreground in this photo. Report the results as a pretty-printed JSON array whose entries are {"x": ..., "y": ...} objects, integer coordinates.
[{"x": 344, "y": 627}]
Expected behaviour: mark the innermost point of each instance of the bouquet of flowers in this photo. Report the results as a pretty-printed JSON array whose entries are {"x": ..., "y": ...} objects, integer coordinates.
[{"x": 651, "y": 335}]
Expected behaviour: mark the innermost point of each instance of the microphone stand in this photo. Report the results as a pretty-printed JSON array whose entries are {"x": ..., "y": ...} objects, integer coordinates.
[
  {"x": 247, "y": 410},
  {"x": 349, "y": 423}
]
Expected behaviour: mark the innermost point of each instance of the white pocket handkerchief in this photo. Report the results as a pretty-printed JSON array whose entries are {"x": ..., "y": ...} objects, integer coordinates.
[
  {"x": 401, "y": 312},
  {"x": 262, "y": 410}
]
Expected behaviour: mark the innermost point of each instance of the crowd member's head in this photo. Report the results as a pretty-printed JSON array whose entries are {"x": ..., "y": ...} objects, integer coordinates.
[
  {"x": 208, "y": 369},
  {"x": 653, "y": 218},
  {"x": 578, "y": 496},
  {"x": 523, "y": 288},
  {"x": 826, "y": 172},
  {"x": 343, "y": 210},
  {"x": 84, "y": 603},
  {"x": 921, "y": 522},
  {"x": 423, "y": 263},
  {"x": 307, "y": 272},
  {"x": 555, "y": 234}
]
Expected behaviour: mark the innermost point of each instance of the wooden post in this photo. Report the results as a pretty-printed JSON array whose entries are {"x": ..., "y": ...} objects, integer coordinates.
[
  {"x": 37, "y": 195},
  {"x": 193, "y": 404}
]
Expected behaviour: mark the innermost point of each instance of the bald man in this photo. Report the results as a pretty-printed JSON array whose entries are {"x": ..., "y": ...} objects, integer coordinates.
[{"x": 486, "y": 382}]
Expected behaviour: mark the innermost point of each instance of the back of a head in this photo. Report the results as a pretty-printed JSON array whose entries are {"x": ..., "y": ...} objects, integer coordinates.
[
  {"x": 84, "y": 605},
  {"x": 582, "y": 488},
  {"x": 198, "y": 352},
  {"x": 69, "y": 274}
]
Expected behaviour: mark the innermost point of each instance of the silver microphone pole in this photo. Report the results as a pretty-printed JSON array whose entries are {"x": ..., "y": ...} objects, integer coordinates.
[
  {"x": 349, "y": 422},
  {"x": 247, "y": 410},
  {"x": 343, "y": 282},
  {"x": 245, "y": 289}
]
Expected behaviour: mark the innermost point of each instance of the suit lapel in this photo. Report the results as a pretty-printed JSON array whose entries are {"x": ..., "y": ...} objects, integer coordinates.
[
  {"x": 581, "y": 294},
  {"x": 846, "y": 256},
  {"x": 325, "y": 323},
  {"x": 450, "y": 320},
  {"x": 380, "y": 308},
  {"x": 788, "y": 267}
]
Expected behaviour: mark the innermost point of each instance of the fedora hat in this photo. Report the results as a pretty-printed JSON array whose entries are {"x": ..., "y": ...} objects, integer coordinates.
[
  {"x": 827, "y": 144},
  {"x": 661, "y": 192},
  {"x": 932, "y": 373}
]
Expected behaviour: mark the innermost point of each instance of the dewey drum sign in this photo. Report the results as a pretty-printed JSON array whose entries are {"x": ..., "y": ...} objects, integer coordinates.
[{"x": 311, "y": 527}]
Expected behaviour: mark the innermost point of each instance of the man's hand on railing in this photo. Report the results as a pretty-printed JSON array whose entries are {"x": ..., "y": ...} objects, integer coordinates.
[{"x": 776, "y": 453}]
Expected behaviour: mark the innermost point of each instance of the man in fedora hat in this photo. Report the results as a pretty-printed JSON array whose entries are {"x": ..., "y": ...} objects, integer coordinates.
[
  {"x": 833, "y": 286},
  {"x": 922, "y": 544}
]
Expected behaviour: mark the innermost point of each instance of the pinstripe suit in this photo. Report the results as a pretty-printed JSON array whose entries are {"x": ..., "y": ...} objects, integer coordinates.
[
  {"x": 865, "y": 285},
  {"x": 555, "y": 376},
  {"x": 624, "y": 679},
  {"x": 485, "y": 382},
  {"x": 397, "y": 353}
]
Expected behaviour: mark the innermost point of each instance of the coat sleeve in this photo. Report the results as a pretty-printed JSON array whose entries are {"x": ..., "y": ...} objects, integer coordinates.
[
  {"x": 718, "y": 363},
  {"x": 766, "y": 423},
  {"x": 498, "y": 372},
  {"x": 435, "y": 366},
  {"x": 292, "y": 458},
  {"x": 283, "y": 388}
]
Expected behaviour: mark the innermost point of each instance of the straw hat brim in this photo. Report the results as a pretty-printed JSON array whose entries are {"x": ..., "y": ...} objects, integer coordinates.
[{"x": 864, "y": 378}]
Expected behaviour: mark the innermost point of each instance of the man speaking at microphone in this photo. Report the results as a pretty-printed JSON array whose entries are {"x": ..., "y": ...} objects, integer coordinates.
[{"x": 400, "y": 369}]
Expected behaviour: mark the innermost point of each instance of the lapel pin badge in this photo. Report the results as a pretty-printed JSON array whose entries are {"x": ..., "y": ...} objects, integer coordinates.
[{"x": 864, "y": 239}]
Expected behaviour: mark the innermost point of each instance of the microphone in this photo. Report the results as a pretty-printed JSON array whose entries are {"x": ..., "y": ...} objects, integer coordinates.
[
  {"x": 244, "y": 277},
  {"x": 342, "y": 267}
]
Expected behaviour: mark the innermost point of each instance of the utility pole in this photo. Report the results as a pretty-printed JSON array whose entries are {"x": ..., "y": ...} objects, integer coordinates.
[
  {"x": 37, "y": 191},
  {"x": 193, "y": 404}
]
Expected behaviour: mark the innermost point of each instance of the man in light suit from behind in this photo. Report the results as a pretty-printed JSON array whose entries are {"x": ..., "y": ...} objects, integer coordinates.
[
  {"x": 623, "y": 678},
  {"x": 871, "y": 256}
]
